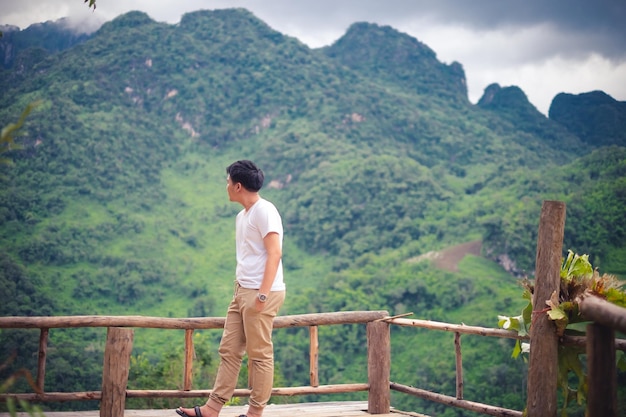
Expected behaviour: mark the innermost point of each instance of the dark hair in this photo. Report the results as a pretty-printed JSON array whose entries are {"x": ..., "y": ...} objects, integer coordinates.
[{"x": 247, "y": 174}]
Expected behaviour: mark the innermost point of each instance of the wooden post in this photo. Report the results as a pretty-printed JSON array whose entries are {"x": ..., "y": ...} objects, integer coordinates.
[
  {"x": 543, "y": 363},
  {"x": 115, "y": 371},
  {"x": 189, "y": 353},
  {"x": 41, "y": 361},
  {"x": 459, "y": 366},
  {"x": 378, "y": 367},
  {"x": 314, "y": 356},
  {"x": 601, "y": 372}
]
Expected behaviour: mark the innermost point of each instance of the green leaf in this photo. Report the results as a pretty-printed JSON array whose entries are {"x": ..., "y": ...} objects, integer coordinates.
[
  {"x": 509, "y": 323},
  {"x": 527, "y": 315},
  {"x": 566, "y": 264},
  {"x": 517, "y": 349},
  {"x": 557, "y": 314},
  {"x": 575, "y": 266},
  {"x": 621, "y": 362},
  {"x": 11, "y": 406},
  {"x": 615, "y": 296}
]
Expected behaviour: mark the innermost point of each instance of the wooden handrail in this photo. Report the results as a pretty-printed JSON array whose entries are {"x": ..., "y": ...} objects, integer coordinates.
[
  {"x": 455, "y": 402},
  {"x": 297, "y": 320},
  {"x": 600, "y": 311},
  {"x": 203, "y": 393},
  {"x": 457, "y": 328}
]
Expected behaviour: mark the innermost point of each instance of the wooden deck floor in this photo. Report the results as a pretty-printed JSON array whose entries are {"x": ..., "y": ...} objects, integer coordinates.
[{"x": 322, "y": 409}]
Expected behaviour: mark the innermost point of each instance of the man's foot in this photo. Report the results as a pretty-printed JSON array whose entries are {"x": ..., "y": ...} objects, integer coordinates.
[{"x": 196, "y": 411}]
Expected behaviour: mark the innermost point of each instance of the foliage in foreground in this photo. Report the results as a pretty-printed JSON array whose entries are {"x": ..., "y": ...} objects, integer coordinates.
[
  {"x": 578, "y": 279},
  {"x": 32, "y": 410},
  {"x": 7, "y": 137}
]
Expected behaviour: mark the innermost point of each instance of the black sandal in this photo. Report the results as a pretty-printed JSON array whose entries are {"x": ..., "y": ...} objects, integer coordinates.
[{"x": 196, "y": 409}]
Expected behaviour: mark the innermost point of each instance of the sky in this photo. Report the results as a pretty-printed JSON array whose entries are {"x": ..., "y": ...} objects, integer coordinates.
[{"x": 545, "y": 47}]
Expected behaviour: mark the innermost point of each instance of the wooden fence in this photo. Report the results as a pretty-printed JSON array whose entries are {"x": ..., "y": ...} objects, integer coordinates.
[
  {"x": 542, "y": 375},
  {"x": 120, "y": 339}
]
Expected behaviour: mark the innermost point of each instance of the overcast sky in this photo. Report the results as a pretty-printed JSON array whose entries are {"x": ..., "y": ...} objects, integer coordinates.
[{"x": 543, "y": 46}]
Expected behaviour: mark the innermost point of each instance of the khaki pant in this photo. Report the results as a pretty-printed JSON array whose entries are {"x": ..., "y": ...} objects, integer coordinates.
[{"x": 247, "y": 330}]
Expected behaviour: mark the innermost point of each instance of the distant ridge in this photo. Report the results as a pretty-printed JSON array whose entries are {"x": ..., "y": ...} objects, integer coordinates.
[
  {"x": 50, "y": 36},
  {"x": 597, "y": 118},
  {"x": 387, "y": 54}
]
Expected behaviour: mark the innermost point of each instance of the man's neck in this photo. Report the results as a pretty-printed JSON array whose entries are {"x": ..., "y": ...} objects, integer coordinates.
[{"x": 250, "y": 200}]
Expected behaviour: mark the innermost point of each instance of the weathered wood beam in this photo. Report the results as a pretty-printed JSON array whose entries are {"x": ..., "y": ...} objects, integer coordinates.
[
  {"x": 41, "y": 358},
  {"x": 115, "y": 371},
  {"x": 451, "y": 401},
  {"x": 97, "y": 395},
  {"x": 543, "y": 362},
  {"x": 314, "y": 356},
  {"x": 189, "y": 354},
  {"x": 459, "y": 328},
  {"x": 582, "y": 341},
  {"x": 601, "y": 371},
  {"x": 298, "y": 320},
  {"x": 459, "y": 365},
  {"x": 600, "y": 311},
  {"x": 378, "y": 367}
]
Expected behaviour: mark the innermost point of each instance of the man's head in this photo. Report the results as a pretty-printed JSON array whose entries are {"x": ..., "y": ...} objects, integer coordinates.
[{"x": 247, "y": 174}]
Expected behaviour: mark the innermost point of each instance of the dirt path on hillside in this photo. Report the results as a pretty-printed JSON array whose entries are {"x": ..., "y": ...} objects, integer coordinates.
[{"x": 449, "y": 258}]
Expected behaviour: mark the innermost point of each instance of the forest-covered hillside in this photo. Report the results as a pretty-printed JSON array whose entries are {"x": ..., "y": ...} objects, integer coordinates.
[{"x": 375, "y": 157}]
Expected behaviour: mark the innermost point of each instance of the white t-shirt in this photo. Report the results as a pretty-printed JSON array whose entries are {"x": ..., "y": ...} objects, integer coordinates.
[{"x": 250, "y": 229}]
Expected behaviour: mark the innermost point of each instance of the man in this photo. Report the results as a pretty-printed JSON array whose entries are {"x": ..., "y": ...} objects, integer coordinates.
[{"x": 259, "y": 294}]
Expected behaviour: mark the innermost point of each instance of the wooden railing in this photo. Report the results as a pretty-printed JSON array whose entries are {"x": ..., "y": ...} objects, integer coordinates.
[
  {"x": 541, "y": 394},
  {"x": 120, "y": 339}
]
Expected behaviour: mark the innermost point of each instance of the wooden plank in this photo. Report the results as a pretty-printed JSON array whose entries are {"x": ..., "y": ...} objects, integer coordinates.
[{"x": 322, "y": 409}]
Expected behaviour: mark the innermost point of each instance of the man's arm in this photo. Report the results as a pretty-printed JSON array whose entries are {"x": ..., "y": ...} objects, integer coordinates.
[{"x": 271, "y": 241}]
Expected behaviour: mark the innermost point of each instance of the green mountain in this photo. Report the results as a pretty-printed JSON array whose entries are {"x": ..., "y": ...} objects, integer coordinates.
[
  {"x": 386, "y": 55},
  {"x": 595, "y": 117},
  {"x": 373, "y": 154},
  {"x": 48, "y": 37}
]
